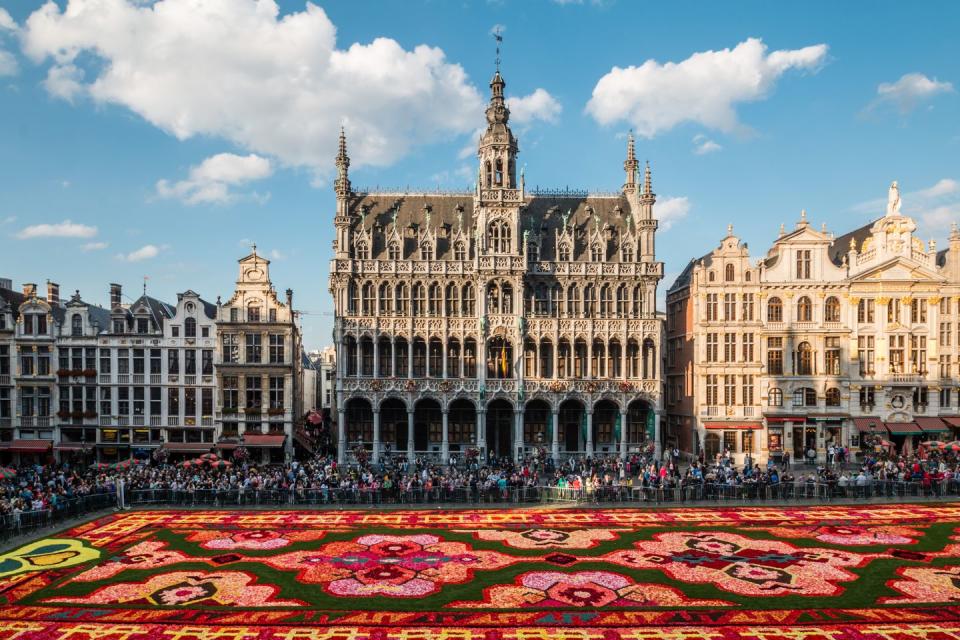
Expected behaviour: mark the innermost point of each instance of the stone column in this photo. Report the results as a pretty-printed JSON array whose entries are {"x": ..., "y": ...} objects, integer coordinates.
[
  {"x": 445, "y": 437},
  {"x": 658, "y": 445},
  {"x": 623, "y": 434},
  {"x": 410, "y": 358},
  {"x": 359, "y": 357},
  {"x": 482, "y": 431},
  {"x": 376, "y": 356},
  {"x": 555, "y": 445},
  {"x": 376, "y": 436},
  {"x": 341, "y": 435},
  {"x": 589, "y": 433},
  {"x": 393, "y": 357},
  {"x": 443, "y": 356},
  {"x": 589, "y": 375},
  {"x": 411, "y": 456},
  {"x": 517, "y": 432}
]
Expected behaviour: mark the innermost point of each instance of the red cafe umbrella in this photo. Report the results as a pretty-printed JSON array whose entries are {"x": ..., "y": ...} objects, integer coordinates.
[
  {"x": 314, "y": 418},
  {"x": 210, "y": 457},
  {"x": 187, "y": 464}
]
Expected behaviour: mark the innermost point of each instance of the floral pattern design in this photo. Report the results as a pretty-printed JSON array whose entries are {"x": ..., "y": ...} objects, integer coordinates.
[
  {"x": 149, "y": 554},
  {"x": 933, "y": 585},
  {"x": 384, "y": 565},
  {"x": 256, "y": 539},
  {"x": 851, "y": 535},
  {"x": 43, "y": 555},
  {"x": 188, "y": 589},
  {"x": 547, "y": 538},
  {"x": 743, "y": 565},
  {"x": 586, "y": 589}
]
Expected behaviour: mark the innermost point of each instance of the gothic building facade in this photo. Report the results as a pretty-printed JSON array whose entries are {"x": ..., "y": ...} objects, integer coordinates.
[
  {"x": 499, "y": 320},
  {"x": 826, "y": 340}
]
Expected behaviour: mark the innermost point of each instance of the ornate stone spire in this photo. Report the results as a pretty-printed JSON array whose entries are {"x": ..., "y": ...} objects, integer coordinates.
[
  {"x": 648, "y": 185},
  {"x": 630, "y": 164},
  {"x": 342, "y": 183}
]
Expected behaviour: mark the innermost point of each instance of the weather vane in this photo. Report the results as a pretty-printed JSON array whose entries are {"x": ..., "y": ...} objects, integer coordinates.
[{"x": 498, "y": 36}]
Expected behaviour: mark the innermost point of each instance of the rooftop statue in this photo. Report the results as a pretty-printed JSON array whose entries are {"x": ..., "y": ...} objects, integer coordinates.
[{"x": 893, "y": 200}]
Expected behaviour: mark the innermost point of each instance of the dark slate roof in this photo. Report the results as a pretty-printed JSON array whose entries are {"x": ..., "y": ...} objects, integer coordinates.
[
  {"x": 942, "y": 257},
  {"x": 841, "y": 245},
  {"x": 209, "y": 309},
  {"x": 683, "y": 279},
  {"x": 159, "y": 309},
  {"x": 541, "y": 215},
  {"x": 13, "y": 298}
]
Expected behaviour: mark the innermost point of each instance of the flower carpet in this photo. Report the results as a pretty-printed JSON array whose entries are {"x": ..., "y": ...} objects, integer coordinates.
[{"x": 887, "y": 572}]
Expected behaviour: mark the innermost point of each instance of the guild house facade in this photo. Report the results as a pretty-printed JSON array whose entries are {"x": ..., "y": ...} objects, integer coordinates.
[
  {"x": 497, "y": 322},
  {"x": 848, "y": 340}
]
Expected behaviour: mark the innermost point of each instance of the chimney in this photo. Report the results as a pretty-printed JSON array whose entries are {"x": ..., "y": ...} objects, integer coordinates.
[
  {"x": 53, "y": 293},
  {"x": 290, "y": 299},
  {"x": 115, "y": 293},
  {"x": 29, "y": 289},
  {"x": 6, "y": 283}
]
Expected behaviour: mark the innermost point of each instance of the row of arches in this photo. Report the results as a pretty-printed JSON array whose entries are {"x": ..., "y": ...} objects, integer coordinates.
[
  {"x": 804, "y": 397},
  {"x": 434, "y": 299},
  {"x": 424, "y": 427},
  {"x": 804, "y": 309},
  {"x": 398, "y": 357}
]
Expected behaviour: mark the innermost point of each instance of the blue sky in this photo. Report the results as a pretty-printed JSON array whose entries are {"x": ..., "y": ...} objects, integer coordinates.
[{"x": 172, "y": 134}]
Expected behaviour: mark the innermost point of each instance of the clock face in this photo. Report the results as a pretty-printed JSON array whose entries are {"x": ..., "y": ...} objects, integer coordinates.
[{"x": 254, "y": 274}]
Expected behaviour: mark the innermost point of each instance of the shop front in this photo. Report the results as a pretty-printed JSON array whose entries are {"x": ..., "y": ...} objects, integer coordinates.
[{"x": 740, "y": 439}]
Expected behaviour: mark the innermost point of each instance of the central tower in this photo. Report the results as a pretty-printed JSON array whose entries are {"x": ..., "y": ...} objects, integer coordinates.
[{"x": 498, "y": 147}]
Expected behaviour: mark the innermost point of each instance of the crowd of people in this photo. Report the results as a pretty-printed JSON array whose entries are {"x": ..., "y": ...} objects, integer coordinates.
[{"x": 54, "y": 488}]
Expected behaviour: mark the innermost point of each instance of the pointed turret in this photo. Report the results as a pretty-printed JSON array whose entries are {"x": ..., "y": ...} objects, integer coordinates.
[
  {"x": 498, "y": 147},
  {"x": 342, "y": 183},
  {"x": 630, "y": 165}
]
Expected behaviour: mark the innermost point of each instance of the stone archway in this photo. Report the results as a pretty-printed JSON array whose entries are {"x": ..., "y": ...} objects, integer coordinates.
[{"x": 500, "y": 428}]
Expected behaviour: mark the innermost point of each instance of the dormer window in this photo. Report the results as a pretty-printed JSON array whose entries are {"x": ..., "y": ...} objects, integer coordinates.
[
  {"x": 393, "y": 251},
  {"x": 426, "y": 251},
  {"x": 499, "y": 234},
  {"x": 118, "y": 326},
  {"x": 533, "y": 251},
  {"x": 362, "y": 251},
  {"x": 76, "y": 325},
  {"x": 596, "y": 253},
  {"x": 564, "y": 255},
  {"x": 143, "y": 325},
  {"x": 627, "y": 254},
  {"x": 253, "y": 313},
  {"x": 728, "y": 273},
  {"x": 459, "y": 251}
]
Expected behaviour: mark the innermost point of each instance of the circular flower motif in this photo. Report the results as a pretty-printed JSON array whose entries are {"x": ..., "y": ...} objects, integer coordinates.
[{"x": 581, "y": 595}]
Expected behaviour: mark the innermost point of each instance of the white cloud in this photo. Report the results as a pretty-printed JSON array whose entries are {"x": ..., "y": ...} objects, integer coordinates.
[
  {"x": 9, "y": 220},
  {"x": 143, "y": 253},
  {"x": 943, "y": 187},
  {"x": 705, "y": 88},
  {"x": 539, "y": 105},
  {"x": 276, "y": 254},
  {"x": 703, "y": 145},
  {"x": 210, "y": 181},
  {"x": 670, "y": 210},
  {"x": 8, "y": 63},
  {"x": 65, "y": 229},
  {"x": 237, "y": 70},
  {"x": 935, "y": 207},
  {"x": 95, "y": 246},
  {"x": 908, "y": 92}
]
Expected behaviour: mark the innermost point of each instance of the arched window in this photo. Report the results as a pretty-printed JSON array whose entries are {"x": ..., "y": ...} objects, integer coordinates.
[
  {"x": 353, "y": 299},
  {"x": 402, "y": 299},
  {"x": 596, "y": 253},
  {"x": 362, "y": 252},
  {"x": 775, "y": 397},
  {"x": 506, "y": 299},
  {"x": 189, "y": 327},
  {"x": 426, "y": 251},
  {"x": 573, "y": 301},
  {"x": 637, "y": 301},
  {"x": 746, "y": 276},
  {"x": 393, "y": 251},
  {"x": 833, "y": 397},
  {"x": 541, "y": 302},
  {"x": 533, "y": 252},
  {"x": 805, "y": 397},
  {"x": 589, "y": 300},
  {"x": 366, "y": 299},
  {"x": 606, "y": 301},
  {"x": 499, "y": 175},
  {"x": 627, "y": 253},
  {"x": 499, "y": 234},
  {"x": 622, "y": 301},
  {"x": 728, "y": 273},
  {"x": 253, "y": 311},
  {"x": 453, "y": 300},
  {"x": 804, "y": 359},
  {"x": 76, "y": 325},
  {"x": 459, "y": 251},
  {"x": 711, "y": 276},
  {"x": 774, "y": 310},
  {"x": 435, "y": 299},
  {"x": 831, "y": 310},
  {"x": 469, "y": 304},
  {"x": 564, "y": 255},
  {"x": 419, "y": 300},
  {"x": 489, "y": 173},
  {"x": 804, "y": 310},
  {"x": 385, "y": 299}
]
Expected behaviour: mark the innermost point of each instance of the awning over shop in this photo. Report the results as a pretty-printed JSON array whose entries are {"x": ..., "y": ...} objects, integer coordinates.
[
  {"x": 188, "y": 446},
  {"x": 932, "y": 425},
  {"x": 259, "y": 440},
  {"x": 870, "y": 424},
  {"x": 953, "y": 421},
  {"x": 31, "y": 446},
  {"x": 903, "y": 428},
  {"x": 227, "y": 445},
  {"x": 69, "y": 446},
  {"x": 733, "y": 425}
]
